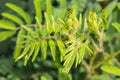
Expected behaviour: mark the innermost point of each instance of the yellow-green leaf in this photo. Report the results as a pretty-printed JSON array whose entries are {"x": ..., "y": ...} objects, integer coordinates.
[
  {"x": 110, "y": 7},
  {"x": 116, "y": 26},
  {"x": 13, "y": 18},
  {"x": 61, "y": 47},
  {"x": 37, "y": 48},
  {"x": 6, "y": 34},
  {"x": 30, "y": 31},
  {"x": 38, "y": 10},
  {"x": 20, "y": 39},
  {"x": 52, "y": 48},
  {"x": 44, "y": 49},
  {"x": 27, "y": 57},
  {"x": 7, "y": 25},
  {"x": 111, "y": 69},
  {"x": 20, "y": 11},
  {"x": 69, "y": 60},
  {"x": 27, "y": 48},
  {"x": 82, "y": 53},
  {"x": 54, "y": 25},
  {"x": 49, "y": 7},
  {"x": 48, "y": 24},
  {"x": 118, "y": 5}
]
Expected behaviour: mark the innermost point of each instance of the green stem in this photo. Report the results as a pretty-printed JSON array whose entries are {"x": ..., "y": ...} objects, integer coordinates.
[{"x": 109, "y": 58}]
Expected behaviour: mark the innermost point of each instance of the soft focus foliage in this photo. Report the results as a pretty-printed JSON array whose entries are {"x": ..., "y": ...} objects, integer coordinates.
[{"x": 59, "y": 40}]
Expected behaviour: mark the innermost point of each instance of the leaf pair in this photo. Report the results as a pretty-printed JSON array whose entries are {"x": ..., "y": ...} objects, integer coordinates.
[
  {"x": 75, "y": 53},
  {"x": 8, "y": 29},
  {"x": 30, "y": 50},
  {"x": 53, "y": 45},
  {"x": 51, "y": 25}
]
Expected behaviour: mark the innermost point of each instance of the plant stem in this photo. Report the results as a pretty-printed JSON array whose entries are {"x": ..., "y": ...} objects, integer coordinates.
[
  {"x": 109, "y": 58},
  {"x": 31, "y": 25}
]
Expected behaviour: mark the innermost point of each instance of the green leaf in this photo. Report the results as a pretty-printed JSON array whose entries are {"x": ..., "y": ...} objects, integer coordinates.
[
  {"x": 61, "y": 47},
  {"x": 85, "y": 25},
  {"x": 31, "y": 31},
  {"x": 26, "y": 50},
  {"x": 7, "y": 25},
  {"x": 69, "y": 60},
  {"x": 27, "y": 57},
  {"x": 52, "y": 48},
  {"x": 44, "y": 49},
  {"x": 88, "y": 49},
  {"x": 82, "y": 53},
  {"x": 80, "y": 20},
  {"x": 37, "y": 48},
  {"x": 63, "y": 8},
  {"x": 43, "y": 78},
  {"x": 70, "y": 48},
  {"x": 20, "y": 11},
  {"x": 48, "y": 25},
  {"x": 118, "y": 5},
  {"x": 6, "y": 34},
  {"x": 49, "y": 7},
  {"x": 46, "y": 76},
  {"x": 77, "y": 57},
  {"x": 13, "y": 18},
  {"x": 110, "y": 7},
  {"x": 111, "y": 69},
  {"x": 116, "y": 26},
  {"x": 63, "y": 76},
  {"x": 20, "y": 39},
  {"x": 54, "y": 25},
  {"x": 38, "y": 10}
]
